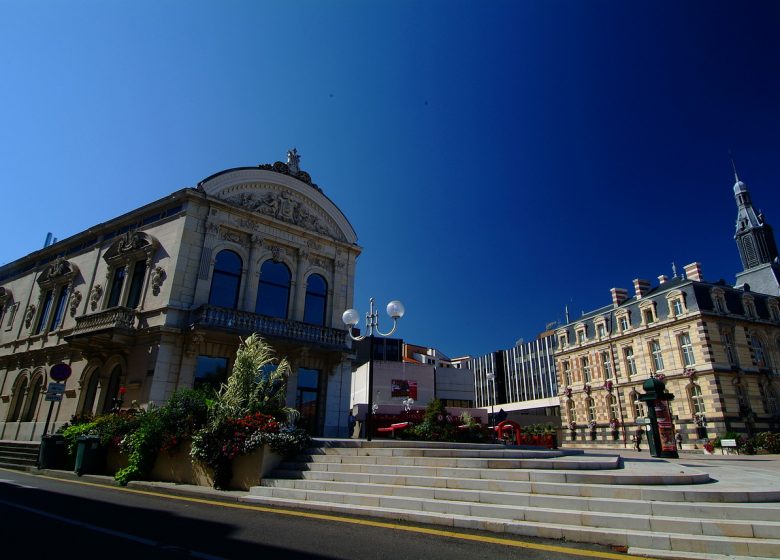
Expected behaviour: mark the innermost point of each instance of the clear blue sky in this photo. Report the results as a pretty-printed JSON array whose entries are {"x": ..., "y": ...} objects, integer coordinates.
[{"x": 498, "y": 160}]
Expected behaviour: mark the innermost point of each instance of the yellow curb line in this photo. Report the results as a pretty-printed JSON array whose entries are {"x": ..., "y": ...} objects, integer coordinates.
[{"x": 363, "y": 522}]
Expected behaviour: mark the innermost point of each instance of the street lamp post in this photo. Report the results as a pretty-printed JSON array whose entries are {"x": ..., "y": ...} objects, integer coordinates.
[
  {"x": 491, "y": 377},
  {"x": 351, "y": 317}
]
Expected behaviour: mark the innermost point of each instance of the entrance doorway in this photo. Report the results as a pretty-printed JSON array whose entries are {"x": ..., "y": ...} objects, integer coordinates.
[{"x": 307, "y": 400}]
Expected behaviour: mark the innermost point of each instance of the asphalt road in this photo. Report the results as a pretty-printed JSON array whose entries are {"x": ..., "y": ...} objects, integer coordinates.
[{"x": 43, "y": 517}]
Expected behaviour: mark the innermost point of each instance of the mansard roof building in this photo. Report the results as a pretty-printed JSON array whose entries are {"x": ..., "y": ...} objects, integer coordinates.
[
  {"x": 157, "y": 298},
  {"x": 717, "y": 346}
]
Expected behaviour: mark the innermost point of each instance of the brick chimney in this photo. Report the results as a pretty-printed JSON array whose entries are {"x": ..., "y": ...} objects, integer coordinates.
[
  {"x": 693, "y": 272},
  {"x": 619, "y": 295},
  {"x": 663, "y": 278},
  {"x": 641, "y": 287}
]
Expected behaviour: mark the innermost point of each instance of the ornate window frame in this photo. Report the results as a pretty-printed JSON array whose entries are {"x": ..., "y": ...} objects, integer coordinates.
[
  {"x": 648, "y": 309},
  {"x": 749, "y": 305},
  {"x": 677, "y": 304},
  {"x": 123, "y": 257},
  {"x": 718, "y": 296},
  {"x": 623, "y": 320},
  {"x": 581, "y": 333},
  {"x": 55, "y": 285}
]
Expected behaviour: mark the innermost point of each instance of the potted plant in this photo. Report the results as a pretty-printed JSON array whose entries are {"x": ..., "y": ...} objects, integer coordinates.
[
  {"x": 592, "y": 428},
  {"x": 613, "y": 427}
]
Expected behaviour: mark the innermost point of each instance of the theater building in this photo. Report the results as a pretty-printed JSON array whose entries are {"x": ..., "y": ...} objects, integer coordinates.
[{"x": 157, "y": 299}]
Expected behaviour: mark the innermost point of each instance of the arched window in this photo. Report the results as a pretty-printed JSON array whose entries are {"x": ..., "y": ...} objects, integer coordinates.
[
  {"x": 591, "y": 404},
  {"x": 90, "y": 392},
  {"x": 273, "y": 291},
  {"x": 226, "y": 280},
  {"x": 20, "y": 390},
  {"x": 613, "y": 407},
  {"x": 759, "y": 353},
  {"x": 316, "y": 300},
  {"x": 112, "y": 389},
  {"x": 637, "y": 405},
  {"x": 33, "y": 395},
  {"x": 697, "y": 399},
  {"x": 572, "y": 411}
]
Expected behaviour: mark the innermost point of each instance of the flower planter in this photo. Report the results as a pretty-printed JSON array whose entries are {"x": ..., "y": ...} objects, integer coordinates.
[{"x": 179, "y": 467}]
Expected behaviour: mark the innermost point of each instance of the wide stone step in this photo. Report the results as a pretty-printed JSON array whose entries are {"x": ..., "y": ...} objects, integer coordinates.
[
  {"x": 401, "y": 443},
  {"x": 759, "y": 547},
  {"x": 522, "y": 494},
  {"x": 579, "y": 476},
  {"x": 493, "y": 453},
  {"x": 559, "y": 463}
]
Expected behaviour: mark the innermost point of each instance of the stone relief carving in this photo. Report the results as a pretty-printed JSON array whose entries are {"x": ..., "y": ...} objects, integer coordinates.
[
  {"x": 95, "y": 295},
  {"x": 75, "y": 300},
  {"x": 319, "y": 261},
  {"x": 28, "y": 315},
  {"x": 59, "y": 267},
  {"x": 233, "y": 237},
  {"x": 313, "y": 245},
  {"x": 277, "y": 253},
  {"x": 212, "y": 228},
  {"x": 340, "y": 264},
  {"x": 303, "y": 253},
  {"x": 282, "y": 206},
  {"x": 158, "y": 277},
  {"x": 131, "y": 241}
]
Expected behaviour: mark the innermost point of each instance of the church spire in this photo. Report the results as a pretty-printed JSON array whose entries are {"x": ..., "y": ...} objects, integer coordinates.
[{"x": 754, "y": 237}]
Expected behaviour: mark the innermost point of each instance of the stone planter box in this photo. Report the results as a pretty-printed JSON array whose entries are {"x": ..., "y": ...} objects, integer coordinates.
[{"x": 179, "y": 467}]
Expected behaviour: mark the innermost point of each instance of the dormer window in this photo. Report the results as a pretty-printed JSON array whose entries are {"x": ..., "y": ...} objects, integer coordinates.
[
  {"x": 623, "y": 322},
  {"x": 601, "y": 330},
  {"x": 563, "y": 340},
  {"x": 581, "y": 331},
  {"x": 750, "y": 306},
  {"x": 647, "y": 309},
  {"x": 719, "y": 300},
  {"x": 676, "y": 301}
]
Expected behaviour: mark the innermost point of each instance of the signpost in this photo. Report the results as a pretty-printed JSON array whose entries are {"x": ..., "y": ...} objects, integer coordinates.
[{"x": 59, "y": 373}]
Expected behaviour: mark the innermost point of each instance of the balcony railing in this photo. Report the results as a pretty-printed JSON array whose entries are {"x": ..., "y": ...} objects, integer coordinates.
[
  {"x": 243, "y": 321},
  {"x": 116, "y": 318}
]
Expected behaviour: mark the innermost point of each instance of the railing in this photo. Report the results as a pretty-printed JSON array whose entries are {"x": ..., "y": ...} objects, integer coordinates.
[
  {"x": 243, "y": 321},
  {"x": 121, "y": 318}
]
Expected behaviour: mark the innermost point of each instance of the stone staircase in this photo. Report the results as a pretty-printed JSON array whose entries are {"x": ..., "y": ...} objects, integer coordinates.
[
  {"x": 19, "y": 455},
  {"x": 651, "y": 508}
]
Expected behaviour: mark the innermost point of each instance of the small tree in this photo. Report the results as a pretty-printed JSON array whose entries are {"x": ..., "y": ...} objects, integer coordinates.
[{"x": 257, "y": 383}]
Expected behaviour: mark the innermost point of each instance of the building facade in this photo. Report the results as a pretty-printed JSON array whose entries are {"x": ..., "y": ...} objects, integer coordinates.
[
  {"x": 157, "y": 299},
  {"x": 716, "y": 346},
  {"x": 520, "y": 380},
  {"x": 403, "y": 371}
]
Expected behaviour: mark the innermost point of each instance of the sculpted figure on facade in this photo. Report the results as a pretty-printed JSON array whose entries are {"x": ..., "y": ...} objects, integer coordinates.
[
  {"x": 95, "y": 295},
  {"x": 28, "y": 315},
  {"x": 282, "y": 206},
  {"x": 158, "y": 277},
  {"x": 75, "y": 300},
  {"x": 293, "y": 161}
]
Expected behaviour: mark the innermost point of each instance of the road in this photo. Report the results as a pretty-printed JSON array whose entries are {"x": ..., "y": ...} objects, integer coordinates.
[{"x": 42, "y": 517}]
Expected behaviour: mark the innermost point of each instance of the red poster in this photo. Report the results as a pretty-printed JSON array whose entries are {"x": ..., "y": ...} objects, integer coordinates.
[
  {"x": 413, "y": 389},
  {"x": 665, "y": 426}
]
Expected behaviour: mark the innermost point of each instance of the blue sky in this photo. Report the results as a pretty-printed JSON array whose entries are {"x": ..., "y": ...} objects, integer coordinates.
[{"x": 498, "y": 160}]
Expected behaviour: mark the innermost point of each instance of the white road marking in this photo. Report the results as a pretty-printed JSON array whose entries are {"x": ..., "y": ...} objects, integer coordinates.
[
  {"x": 14, "y": 483},
  {"x": 104, "y": 530}
]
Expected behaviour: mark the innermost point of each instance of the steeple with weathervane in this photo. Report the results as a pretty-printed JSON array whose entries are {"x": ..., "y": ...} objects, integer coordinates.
[
  {"x": 754, "y": 237},
  {"x": 756, "y": 243}
]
